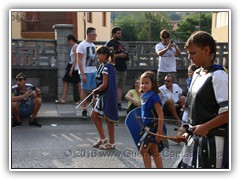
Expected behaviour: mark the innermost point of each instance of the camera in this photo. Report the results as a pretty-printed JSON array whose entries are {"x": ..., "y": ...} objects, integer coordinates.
[
  {"x": 33, "y": 88},
  {"x": 171, "y": 41}
]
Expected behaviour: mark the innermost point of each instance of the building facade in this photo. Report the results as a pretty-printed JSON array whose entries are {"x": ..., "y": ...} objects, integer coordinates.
[
  {"x": 38, "y": 24},
  {"x": 220, "y": 26}
]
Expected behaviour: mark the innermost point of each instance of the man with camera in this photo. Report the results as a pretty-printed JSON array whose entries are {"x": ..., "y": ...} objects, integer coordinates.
[
  {"x": 121, "y": 56},
  {"x": 26, "y": 101},
  {"x": 166, "y": 50}
]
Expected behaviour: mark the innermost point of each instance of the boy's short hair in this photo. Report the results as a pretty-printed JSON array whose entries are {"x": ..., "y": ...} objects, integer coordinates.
[
  {"x": 90, "y": 30},
  {"x": 21, "y": 75},
  {"x": 115, "y": 29}
]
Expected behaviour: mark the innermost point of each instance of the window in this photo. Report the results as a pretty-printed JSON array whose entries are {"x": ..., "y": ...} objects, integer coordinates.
[
  {"x": 221, "y": 19},
  {"x": 89, "y": 17},
  {"x": 48, "y": 19},
  {"x": 104, "y": 19},
  {"x": 43, "y": 21}
]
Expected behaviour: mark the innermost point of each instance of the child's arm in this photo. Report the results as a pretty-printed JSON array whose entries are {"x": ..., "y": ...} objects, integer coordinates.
[
  {"x": 159, "y": 111},
  {"x": 203, "y": 129}
]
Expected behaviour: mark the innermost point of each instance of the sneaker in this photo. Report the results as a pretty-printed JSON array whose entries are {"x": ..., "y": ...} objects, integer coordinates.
[
  {"x": 35, "y": 123},
  {"x": 84, "y": 114},
  {"x": 16, "y": 123}
]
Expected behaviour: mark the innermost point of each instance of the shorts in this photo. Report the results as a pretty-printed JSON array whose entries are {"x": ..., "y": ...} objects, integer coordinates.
[
  {"x": 121, "y": 78},
  {"x": 91, "y": 81},
  {"x": 26, "y": 110},
  {"x": 152, "y": 138}
]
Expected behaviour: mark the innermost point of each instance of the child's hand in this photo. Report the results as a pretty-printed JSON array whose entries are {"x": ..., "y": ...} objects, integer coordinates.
[
  {"x": 158, "y": 139},
  {"x": 200, "y": 130},
  {"x": 95, "y": 91},
  {"x": 185, "y": 135}
]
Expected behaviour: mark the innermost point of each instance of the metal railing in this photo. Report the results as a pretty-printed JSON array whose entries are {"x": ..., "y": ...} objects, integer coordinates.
[
  {"x": 143, "y": 54},
  {"x": 33, "y": 53},
  {"x": 37, "y": 53}
]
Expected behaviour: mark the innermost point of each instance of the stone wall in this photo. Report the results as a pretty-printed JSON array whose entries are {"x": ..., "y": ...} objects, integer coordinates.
[
  {"x": 63, "y": 50},
  {"x": 44, "y": 62}
]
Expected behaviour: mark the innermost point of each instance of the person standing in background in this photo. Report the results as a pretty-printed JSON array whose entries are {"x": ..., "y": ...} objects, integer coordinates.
[
  {"x": 121, "y": 57},
  {"x": 86, "y": 55},
  {"x": 166, "y": 50},
  {"x": 71, "y": 75}
]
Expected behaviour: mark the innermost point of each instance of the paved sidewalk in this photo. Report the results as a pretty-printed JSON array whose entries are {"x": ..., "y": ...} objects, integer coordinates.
[{"x": 52, "y": 113}]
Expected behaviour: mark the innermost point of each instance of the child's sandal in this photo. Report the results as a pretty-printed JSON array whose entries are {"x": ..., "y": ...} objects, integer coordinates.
[
  {"x": 107, "y": 146},
  {"x": 100, "y": 142},
  {"x": 61, "y": 101}
]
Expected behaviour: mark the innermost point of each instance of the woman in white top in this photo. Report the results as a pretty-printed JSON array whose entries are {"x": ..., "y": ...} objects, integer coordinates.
[{"x": 71, "y": 75}]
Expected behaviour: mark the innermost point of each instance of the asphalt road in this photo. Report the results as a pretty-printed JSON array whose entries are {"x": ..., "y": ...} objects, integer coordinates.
[{"x": 70, "y": 147}]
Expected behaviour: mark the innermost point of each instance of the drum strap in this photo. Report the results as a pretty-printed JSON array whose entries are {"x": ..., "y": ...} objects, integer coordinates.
[
  {"x": 212, "y": 147},
  {"x": 204, "y": 152},
  {"x": 195, "y": 153}
]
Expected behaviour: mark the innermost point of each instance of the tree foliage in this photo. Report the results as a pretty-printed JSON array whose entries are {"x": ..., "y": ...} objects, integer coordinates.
[
  {"x": 191, "y": 23},
  {"x": 128, "y": 26},
  {"x": 146, "y": 26}
]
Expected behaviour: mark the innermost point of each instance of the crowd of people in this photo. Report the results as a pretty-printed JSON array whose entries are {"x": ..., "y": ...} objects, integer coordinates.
[{"x": 202, "y": 111}]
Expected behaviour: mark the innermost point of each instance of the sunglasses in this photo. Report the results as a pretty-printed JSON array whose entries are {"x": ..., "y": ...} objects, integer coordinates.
[
  {"x": 165, "y": 37},
  {"x": 167, "y": 81},
  {"x": 93, "y": 34},
  {"x": 19, "y": 79}
]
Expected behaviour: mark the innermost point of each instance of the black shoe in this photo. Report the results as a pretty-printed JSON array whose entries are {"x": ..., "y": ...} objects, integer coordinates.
[
  {"x": 35, "y": 123},
  {"x": 16, "y": 123},
  {"x": 84, "y": 114}
]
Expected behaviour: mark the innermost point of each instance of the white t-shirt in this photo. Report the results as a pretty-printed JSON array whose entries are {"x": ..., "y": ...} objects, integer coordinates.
[
  {"x": 165, "y": 94},
  {"x": 167, "y": 62},
  {"x": 89, "y": 56},
  {"x": 72, "y": 58}
]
